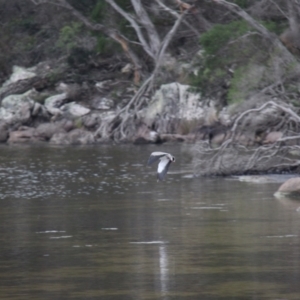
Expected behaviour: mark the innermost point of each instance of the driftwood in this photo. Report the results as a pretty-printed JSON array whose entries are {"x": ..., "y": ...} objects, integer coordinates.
[{"x": 235, "y": 157}]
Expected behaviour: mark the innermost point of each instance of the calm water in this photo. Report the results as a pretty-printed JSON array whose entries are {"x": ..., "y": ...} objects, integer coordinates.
[{"x": 93, "y": 223}]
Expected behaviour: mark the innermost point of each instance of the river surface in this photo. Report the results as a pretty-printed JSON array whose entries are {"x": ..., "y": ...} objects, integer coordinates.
[{"x": 93, "y": 223}]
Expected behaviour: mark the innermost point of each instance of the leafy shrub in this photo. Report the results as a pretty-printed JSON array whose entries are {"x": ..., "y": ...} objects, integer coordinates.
[
  {"x": 68, "y": 35},
  {"x": 218, "y": 37},
  {"x": 99, "y": 11},
  {"x": 217, "y": 54},
  {"x": 227, "y": 48}
]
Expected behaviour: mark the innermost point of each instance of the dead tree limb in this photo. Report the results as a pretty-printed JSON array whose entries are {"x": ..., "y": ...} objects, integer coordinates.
[
  {"x": 153, "y": 37},
  {"x": 177, "y": 15},
  {"x": 231, "y": 157},
  {"x": 138, "y": 98}
]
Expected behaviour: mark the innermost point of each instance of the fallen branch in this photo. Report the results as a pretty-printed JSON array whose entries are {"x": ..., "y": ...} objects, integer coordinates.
[{"x": 231, "y": 157}]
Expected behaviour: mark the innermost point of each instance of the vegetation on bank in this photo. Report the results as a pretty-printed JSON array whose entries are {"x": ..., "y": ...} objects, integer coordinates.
[{"x": 236, "y": 59}]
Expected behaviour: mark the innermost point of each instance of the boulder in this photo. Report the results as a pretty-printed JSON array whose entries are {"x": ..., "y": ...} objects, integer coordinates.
[
  {"x": 74, "y": 137},
  {"x": 53, "y": 103},
  {"x": 74, "y": 110},
  {"x": 20, "y": 73},
  {"x": 81, "y": 137},
  {"x": 17, "y": 108},
  {"x": 101, "y": 103},
  {"x": 66, "y": 125},
  {"x": 14, "y": 102},
  {"x": 23, "y": 135},
  {"x": 39, "y": 110},
  {"x": 92, "y": 120},
  {"x": 47, "y": 130},
  {"x": 172, "y": 104},
  {"x": 72, "y": 90},
  {"x": 60, "y": 138},
  {"x": 290, "y": 188}
]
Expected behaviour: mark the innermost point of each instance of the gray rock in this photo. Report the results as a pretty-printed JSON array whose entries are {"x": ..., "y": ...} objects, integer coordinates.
[
  {"x": 74, "y": 110},
  {"x": 173, "y": 103},
  {"x": 6, "y": 115},
  {"x": 290, "y": 188},
  {"x": 39, "y": 109},
  {"x": 20, "y": 73},
  {"x": 47, "y": 130},
  {"x": 102, "y": 103},
  {"x": 81, "y": 137},
  {"x": 53, "y": 103},
  {"x": 24, "y": 135},
  {"x": 14, "y": 102},
  {"x": 60, "y": 138},
  {"x": 66, "y": 125},
  {"x": 17, "y": 108},
  {"x": 74, "y": 137},
  {"x": 92, "y": 120}
]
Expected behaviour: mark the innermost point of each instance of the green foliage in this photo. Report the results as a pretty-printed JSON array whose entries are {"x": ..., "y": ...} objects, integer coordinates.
[
  {"x": 218, "y": 53},
  {"x": 103, "y": 44},
  {"x": 216, "y": 38},
  {"x": 78, "y": 123},
  {"x": 234, "y": 93},
  {"x": 27, "y": 43},
  {"x": 67, "y": 36},
  {"x": 225, "y": 46},
  {"x": 276, "y": 27},
  {"x": 99, "y": 14},
  {"x": 54, "y": 76},
  {"x": 99, "y": 11}
]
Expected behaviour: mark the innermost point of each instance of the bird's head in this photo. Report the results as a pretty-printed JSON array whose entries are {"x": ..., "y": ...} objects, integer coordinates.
[{"x": 173, "y": 159}]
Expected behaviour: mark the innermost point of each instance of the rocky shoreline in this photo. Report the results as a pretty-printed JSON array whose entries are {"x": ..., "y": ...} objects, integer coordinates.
[
  {"x": 56, "y": 117},
  {"x": 73, "y": 114}
]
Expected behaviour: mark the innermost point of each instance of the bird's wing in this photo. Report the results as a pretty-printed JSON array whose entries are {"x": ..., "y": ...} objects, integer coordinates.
[
  {"x": 155, "y": 156},
  {"x": 163, "y": 167}
]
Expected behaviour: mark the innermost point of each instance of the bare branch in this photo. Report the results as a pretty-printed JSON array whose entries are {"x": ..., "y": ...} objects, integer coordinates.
[
  {"x": 148, "y": 25},
  {"x": 176, "y": 15},
  {"x": 233, "y": 158},
  {"x": 135, "y": 26}
]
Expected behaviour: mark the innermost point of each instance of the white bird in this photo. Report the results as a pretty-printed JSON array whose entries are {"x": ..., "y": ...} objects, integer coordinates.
[{"x": 165, "y": 159}]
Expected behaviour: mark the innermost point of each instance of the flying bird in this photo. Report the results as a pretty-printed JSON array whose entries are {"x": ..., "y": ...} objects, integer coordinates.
[{"x": 165, "y": 159}]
